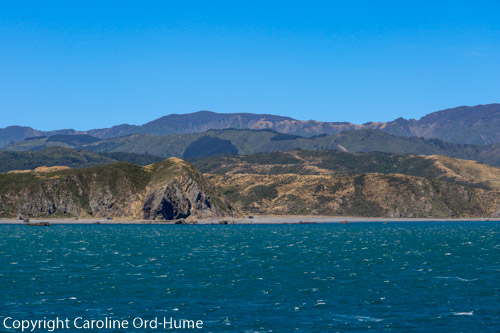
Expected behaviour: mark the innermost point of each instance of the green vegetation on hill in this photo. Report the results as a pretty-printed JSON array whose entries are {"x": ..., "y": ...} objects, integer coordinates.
[
  {"x": 41, "y": 142},
  {"x": 372, "y": 140},
  {"x": 302, "y": 162},
  {"x": 208, "y": 146},
  {"x": 66, "y": 192},
  {"x": 167, "y": 190},
  {"x": 72, "y": 140},
  {"x": 57, "y": 156},
  {"x": 255, "y": 141},
  {"x": 246, "y": 142},
  {"x": 249, "y": 142},
  {"x": 35, "y": 143},
  {"x": 474, "y": 125},
  {"x": 36, "y": 138},
  {"x": 138, "y": 159},
  {"x": 282, "y": 183}
]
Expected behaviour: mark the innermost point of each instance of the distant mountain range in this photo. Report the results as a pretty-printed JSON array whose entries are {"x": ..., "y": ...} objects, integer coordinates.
[
  {"x": 245, "y": 164},
  {"x": 473, "y": 125}
]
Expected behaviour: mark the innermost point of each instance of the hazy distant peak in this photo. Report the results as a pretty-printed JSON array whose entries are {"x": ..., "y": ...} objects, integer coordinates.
[{"x": 478, "y": 124}]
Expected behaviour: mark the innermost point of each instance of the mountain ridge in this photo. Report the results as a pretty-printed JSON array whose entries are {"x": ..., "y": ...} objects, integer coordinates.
[
  {"x": 478, "y": 124},
  {"x": 243, "y": 142},
  {"x": 59, "y": 156}
]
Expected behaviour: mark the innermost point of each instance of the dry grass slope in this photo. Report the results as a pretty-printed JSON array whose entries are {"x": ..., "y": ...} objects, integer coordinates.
[
  {"x": 466, "y": 171},
  {"x": 370, "y": 195}
]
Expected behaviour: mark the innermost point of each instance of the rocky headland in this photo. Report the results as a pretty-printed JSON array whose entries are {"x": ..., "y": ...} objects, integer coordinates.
[
  {"x": 284, "y": 184},
  {"x": 168, "y": 190}
]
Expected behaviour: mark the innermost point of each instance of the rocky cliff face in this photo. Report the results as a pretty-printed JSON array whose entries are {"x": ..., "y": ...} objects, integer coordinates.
[
  {"x": 167, "y": 190},
  {"x": 180, "y": 198},
  {"x": 94, "y": 192},
  {"x": 178, "y": 190},
  {"x": 174, "y": 189}
]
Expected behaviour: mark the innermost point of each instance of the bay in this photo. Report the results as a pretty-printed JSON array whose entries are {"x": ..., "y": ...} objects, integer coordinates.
[{"x": 439, "y": 276}]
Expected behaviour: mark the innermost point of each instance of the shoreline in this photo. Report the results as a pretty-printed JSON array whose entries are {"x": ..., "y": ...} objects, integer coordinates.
[{"x": 258, "y": 219}]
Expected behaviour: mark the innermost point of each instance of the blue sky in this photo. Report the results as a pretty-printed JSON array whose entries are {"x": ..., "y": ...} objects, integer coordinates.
[{"x": 84, "y": 64}]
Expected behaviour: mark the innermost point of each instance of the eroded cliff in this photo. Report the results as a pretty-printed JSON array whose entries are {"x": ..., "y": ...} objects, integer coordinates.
[{"x": 167, "y": 190}]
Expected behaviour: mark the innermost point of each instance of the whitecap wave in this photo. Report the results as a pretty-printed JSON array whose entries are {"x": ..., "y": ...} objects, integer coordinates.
[
  {"x": 456, "y": 278},
  {"x": 358, "y": 318},
  {"x": 463, "y": 313}
]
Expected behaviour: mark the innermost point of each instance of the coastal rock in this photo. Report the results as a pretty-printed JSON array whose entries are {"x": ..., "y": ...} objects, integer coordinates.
[
  {"x": 187, "y": 194},
  {"x": 174, "y": 190},
  {"x": 168, "y": 190},
  {"x": 178, "y": 199}
]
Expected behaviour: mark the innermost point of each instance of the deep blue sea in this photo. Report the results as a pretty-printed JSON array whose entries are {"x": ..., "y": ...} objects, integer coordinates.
[{"x": 401, "y": 277}]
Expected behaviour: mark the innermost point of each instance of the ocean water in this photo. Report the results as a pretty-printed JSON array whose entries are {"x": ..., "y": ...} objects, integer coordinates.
[{"x": 402, "y": 277}]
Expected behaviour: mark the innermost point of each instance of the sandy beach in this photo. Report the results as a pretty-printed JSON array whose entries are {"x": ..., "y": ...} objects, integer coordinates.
[{"x": 258, "y": 219}]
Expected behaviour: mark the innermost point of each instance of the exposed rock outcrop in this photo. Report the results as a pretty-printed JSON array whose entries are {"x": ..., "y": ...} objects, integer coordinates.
[
  {"x": 174, "y": 201},
  {"x": 175, "y": 190},
  {"x": 179, "y": 198},
  {"x": 168, "y": 190}
]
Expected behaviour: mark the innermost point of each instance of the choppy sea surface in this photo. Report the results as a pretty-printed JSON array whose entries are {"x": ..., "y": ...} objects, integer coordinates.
[{"x": 402, "y": 277}]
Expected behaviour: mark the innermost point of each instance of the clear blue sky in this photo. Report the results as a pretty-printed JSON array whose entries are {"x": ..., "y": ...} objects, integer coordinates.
[{"x": 85, "y": 64}]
